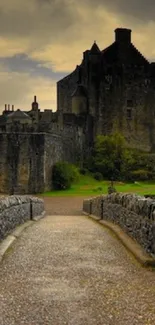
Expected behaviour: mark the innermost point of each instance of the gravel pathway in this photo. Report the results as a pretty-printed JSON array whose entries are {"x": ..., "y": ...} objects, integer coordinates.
[{"x": 70, "y": 270}]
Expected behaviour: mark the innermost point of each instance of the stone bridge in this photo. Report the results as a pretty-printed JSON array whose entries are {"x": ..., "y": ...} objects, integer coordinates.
[{"x": 70, "y": 269}]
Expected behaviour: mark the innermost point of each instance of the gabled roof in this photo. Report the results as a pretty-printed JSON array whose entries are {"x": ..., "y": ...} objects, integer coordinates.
[
  {"x": 110, "y": 53},
  {"x": 132, "y": 56},
  {"x": 95, "y": 49}
]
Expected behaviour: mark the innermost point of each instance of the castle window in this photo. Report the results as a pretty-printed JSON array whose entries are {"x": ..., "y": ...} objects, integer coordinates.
[
  {"x": 129, "y": 103},
  {"x": 129, "y": 114}
]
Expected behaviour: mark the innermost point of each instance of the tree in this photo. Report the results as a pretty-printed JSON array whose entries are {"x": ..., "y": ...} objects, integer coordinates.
[
  {"x": 108, "y": 155},
  {"x": 137, "y": 165}
]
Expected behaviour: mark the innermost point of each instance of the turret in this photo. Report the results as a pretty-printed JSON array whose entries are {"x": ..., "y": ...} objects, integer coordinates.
[
  {"x": 35, "y": 105},
  {"x": 93, "y": 52},
  {"x": 95, "y": 49},
  {"x": 79, "y": 100}
]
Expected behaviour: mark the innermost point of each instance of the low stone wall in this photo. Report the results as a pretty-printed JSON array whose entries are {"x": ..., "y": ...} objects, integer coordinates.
[
  {"x": 135, "y": 214},
  {"x": 37, "y": 207},
  {"x": 15, "y": 210}
]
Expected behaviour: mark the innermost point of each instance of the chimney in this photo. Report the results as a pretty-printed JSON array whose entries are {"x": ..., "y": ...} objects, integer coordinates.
[
  {"x": 8, "y": 107},
  {"x": 35, "y": 99},
  {"x": 12, "y": 108},
  {"x": 5, "y": 107},
  {"x": 123, "y": 35}
]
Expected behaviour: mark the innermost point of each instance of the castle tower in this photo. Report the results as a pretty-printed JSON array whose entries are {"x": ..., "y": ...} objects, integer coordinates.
[
  {"x": 79, "y": 100},
  {"x": 35, "y": 105},
  {"x": 93, "y": 77}
]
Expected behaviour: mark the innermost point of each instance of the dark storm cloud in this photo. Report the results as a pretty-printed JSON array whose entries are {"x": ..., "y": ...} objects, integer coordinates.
[
  {"x": 141, "y": 9},
  {"x": 36, "y": 16},
  {"x": 48, "y": 18},
  {"x": 22, "y": 63},
  {"x": 43, "y": 21}
]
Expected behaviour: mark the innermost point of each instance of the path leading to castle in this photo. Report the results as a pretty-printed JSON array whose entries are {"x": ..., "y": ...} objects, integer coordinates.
[{"x": 67, "y": 269}]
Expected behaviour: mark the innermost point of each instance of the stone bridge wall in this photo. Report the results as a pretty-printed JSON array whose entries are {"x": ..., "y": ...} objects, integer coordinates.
[
  {"x": 15, "y": 210},
  {"x": 134, "y": 214}
]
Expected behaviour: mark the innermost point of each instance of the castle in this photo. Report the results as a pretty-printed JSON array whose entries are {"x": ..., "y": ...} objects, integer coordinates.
[{"x": 112, "y": 90}]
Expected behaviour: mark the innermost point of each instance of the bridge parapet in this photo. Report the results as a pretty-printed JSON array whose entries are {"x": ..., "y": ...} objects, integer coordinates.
[
  {"x": 15, "y": 210},
  {"x": 135, "y": 214}
]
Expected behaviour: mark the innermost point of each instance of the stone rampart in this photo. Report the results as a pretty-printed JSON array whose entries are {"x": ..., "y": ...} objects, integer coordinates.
[
  {"x": 15, "y": 210},
  {"x": 133, "y": 213}
]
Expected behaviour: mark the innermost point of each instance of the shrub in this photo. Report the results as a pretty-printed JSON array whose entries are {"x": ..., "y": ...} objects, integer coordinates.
[
  {"x": 83, "y": 171},
  {"x": 64, "y": 174},
  {"x": 74, "y": 173},
  {"x": 98, "y": 176},
  {"x": 111, "y": 189},
  {"x": 98, "y": 189}
]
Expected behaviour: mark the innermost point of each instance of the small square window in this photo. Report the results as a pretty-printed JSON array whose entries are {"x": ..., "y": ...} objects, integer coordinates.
[
  {"x": 129, "y": 113},
  {"x": 129, "y": 103}
]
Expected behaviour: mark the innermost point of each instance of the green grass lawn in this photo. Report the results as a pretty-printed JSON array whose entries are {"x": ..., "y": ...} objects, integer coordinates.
[{"x": 88, "y": 186}]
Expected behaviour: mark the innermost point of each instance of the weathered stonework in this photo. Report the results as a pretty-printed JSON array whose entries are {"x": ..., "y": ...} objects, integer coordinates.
[
  {"x": 22, "y": 163},
  {"x": 135, "y": 214},
  {"x": 110, "y": 91},
  {"x": 15, "y": 210},
  {"x": 120, "y": 87}
]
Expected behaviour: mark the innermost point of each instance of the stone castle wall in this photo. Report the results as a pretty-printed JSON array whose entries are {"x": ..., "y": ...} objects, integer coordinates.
[
  {"x": 124, "y": 103},
  {"x": 127, "y": 106},
  {"x": 135, "y": 214},
  {"x": 65, "y": 88},
  {"x": 21, "y": 164},
  {"x": 27, "y": 159},
  {"x": 120, "y": 86},
  {"x": 53, "y": 152},
  {"x": 24, "y": 161}
]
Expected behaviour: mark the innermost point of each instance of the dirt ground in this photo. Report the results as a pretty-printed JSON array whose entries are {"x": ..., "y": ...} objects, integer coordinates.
[{"x": 63, "y": 205}]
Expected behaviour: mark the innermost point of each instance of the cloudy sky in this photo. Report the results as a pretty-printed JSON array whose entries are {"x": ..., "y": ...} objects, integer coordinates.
[{"x": 41, "y": 41}]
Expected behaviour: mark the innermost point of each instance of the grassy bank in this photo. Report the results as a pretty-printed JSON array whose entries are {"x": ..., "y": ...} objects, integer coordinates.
[{"x": 88, "y": 186}]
